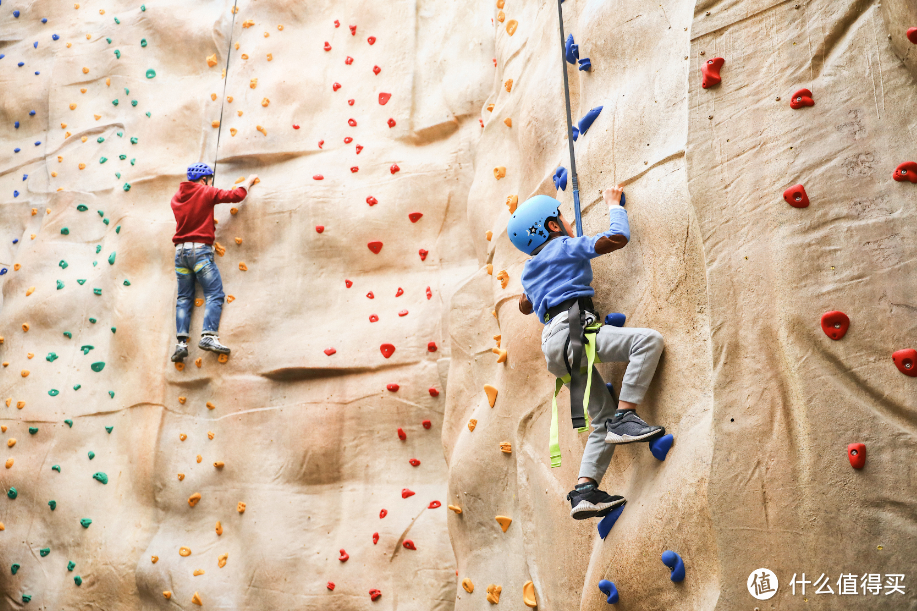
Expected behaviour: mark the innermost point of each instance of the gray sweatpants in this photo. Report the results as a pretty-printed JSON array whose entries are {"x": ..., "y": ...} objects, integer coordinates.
[{"x": 639, "y": 348}]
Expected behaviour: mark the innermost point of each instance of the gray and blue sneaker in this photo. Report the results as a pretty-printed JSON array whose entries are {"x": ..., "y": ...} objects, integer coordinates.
[
  {"x": 587, "y": 501},
  {"x": 628, "y": 427},
  {"x": 181, "y": 351},
  {"x": 212, "y": 343}
]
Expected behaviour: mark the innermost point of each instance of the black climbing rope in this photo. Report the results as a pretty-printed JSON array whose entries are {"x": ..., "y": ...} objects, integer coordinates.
[{"x": 563, "y": 65}]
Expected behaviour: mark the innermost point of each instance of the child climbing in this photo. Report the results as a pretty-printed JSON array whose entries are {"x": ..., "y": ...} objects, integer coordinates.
[
  {"x": 557, "y": 286},
  {"x": 194, "y": 236}
]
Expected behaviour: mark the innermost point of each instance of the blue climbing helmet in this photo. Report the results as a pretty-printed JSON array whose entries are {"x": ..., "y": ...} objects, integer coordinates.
[
  {"x": 526, "y": 227},
  {"x": 199, "y": 170}
]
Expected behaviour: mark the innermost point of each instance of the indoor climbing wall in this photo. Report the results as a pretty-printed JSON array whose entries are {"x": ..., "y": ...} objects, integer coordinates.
[
  {"x": 306, "y": 470},
  {"x": 768, "y": 162}
]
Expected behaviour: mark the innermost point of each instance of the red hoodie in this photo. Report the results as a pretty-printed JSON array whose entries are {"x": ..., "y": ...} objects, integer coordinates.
[{"x": 193, "y": 209}]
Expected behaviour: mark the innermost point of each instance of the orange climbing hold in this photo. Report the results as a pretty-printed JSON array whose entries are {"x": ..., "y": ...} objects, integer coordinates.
[
  {"x": 504, "y": 522},
  {"x": 528, "y": 595},
  {"x": 184, "y": 551},
  {"x": 243, "y": 267},
  {"x": 196, "y": 599},
  {"x": 456, "y": 509},
  {"x": 472, "y": 423},
  {"x": 167, "y": 594},
  {"x": 508, "y": 85},
  {"x": 493, "y": 594},
  {"x": 221, "y": 560},
  {"x": 194, "y": 498},
  {"x": 508, "y": 122},
  {"x": 240, "y": 507},
  {"x": 503, "y": 277},
  {"x": 499, "y": 172},
  {"x": 180, "y": 366},
  {"x": 506, "y": 447},
  {"x": 212, "y": 60},
  {"x": 511, "y": 26},
  {"x": 468, "y": 585},
  {"x": 219, "y": 528},
  {"x": 491, "y": 392},
  {"x": 501, "y": 354}
]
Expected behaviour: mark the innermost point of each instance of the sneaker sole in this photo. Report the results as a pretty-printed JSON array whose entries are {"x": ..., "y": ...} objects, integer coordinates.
[
  {"x": 624, "y": 439},
  {"x": 179, "y": 359},
  {"x": 586, "y": 510},
  {"x": 217, "y": 350}
]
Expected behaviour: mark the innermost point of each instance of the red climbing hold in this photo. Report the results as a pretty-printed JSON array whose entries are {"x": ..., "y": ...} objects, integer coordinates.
[
  {"x": 906, "y": 361},
  {"x": 856, "y": 453},
  {"x": 348, "y": 140},
  {"x": 711, "y": 72},
  {"x": 423, "y": 254},
  {"x": 405, "y": 493},
  {"x": 348, "y": 283},
  {"x": 351, "y": 122},
  {"x": 481, "y": 121},
  {"x": 319, "y": 228},
  {"x": 371, "y": 40},
  {"x": 370, "y": 295},
  {"x": 377, "y": 69},
  {"x": 372, "y": 201},
  {"x": 320, "y": 143},
  {"x": 796, "y": 196},
  {"x": 434, "y": 505},
  {"x": 426, "y": 423},
  {"x": 414, "y": 462},
  {"x": 373, "y": 318},
  {"x": 801, "y": 99},
  {"x": 383, "y": 513},
  {"x": 343, "y": 557},
  {"x": 392, "y": 387},
  {"x": 912, "y": 35},
  {"x": 403, "y": 313},
  {"x": 327, "y": 46},
  {"x": 353, "y": 30},
  {"x": 387, "y": 350},
  {"x": 335, "y": 86},
  {"x": 295, "y": 126},
  {"x": 359, "y": 148},
  {"x": 330, "y": 586},
  {"x": 374, "y": 594},
  {"x": 384, "y": 98},
  {"x": 433, "y": 392},
  {"x": 408, "y": 544},
  {"x": 906, "y": 171},
  {"x": 835, "y": 324},
  {"x": 401, "y": 434},
  {"x": 337, "y": 23},
  {"x": 349, "y": 60},
  {"x": 429, "y": 294},
  {"x": 415, "y": 216},
  {"x": 394, "y": 168},
  {"x": 375, "y": 538},
  {"x": 391, "y": 122},
  {"x": 330, "y": 351},
  {"x": 375, "y": 246},
  {"x": 399, "y": 292},
  {"x": 495, "y": 62},
  {"x": 351, "y": 101},
  {"x": 431, "y": 347},
  {"x": 354, "y": 169},
  {"x": 318, "y": 177}
]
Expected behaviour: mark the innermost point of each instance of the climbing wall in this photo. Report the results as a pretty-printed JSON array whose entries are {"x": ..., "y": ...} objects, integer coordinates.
[
  {"x": 789, "y": 330},
  {"x": 305, "y": 471}
]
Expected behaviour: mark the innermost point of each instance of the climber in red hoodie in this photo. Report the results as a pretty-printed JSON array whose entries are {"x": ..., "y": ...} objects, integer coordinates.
[{"x": 193, "y": 209}]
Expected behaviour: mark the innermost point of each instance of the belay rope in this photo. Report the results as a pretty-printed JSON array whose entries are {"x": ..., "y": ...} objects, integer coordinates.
[{"x": 232, "y": 28}]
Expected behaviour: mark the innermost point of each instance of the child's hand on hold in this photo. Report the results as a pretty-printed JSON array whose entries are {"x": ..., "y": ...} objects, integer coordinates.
[
  {"x": 251, "y": 180},
  {"x": 613, "y": 195}
]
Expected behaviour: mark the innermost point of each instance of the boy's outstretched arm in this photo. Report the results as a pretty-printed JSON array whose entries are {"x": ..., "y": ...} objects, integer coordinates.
[
  {"x": 233, "y": 196},
  {"x": 620, "y": 230},
  {"x": 525, "y": 306}
]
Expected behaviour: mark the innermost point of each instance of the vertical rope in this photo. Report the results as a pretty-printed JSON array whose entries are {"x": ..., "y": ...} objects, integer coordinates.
[
  {"x": 563, "y": 65},
  {"x": 232, "y": 29}
]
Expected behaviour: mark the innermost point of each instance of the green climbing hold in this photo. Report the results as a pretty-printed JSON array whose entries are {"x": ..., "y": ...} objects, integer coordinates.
[
  {"x": 71, "y": 565},
  {"x": 91, "y": 455},
  {"x": 106, "y": 221},
  {"x": 82, "y": 207},
  {"x": 33, "y": 430},
  {"x": 134, "y": 140},
  {"x": 51, "y": 357},
  {"x": 12, "y": 493},
  {"x": 143, "y": 42},
  {"x": 100, "y": 139},
  {"x": 122, "y": 157},
  {"x": 15, "y": 568},
  {"x": 148, "y": 115},
  {"x": 97, "y": 291},
  {"x": 127, "y": 283},
  {"x": 64, "y": 231},
  {"x": 60, "y": 284},
  {"x": 108, "y": 40},
  {"x": 53, "y": 392},
  {"x": 117, "y": 21},
  {"x": 111, "y": 394},
  {"x": 94, "y": 263},
  {"x": 133, "y": 161},
  {"x": 100, "y": 477},
  {"x": 44, "y": 551},
  {"x": 99, "y": 246},
  {"x": 85, "y": 522},
  {"x": 68, "y": 334},
  {"x": 117, "y": 54},
  {"x": 26, "y": 598},
  {"x": 118, "y": 175},
  {"x": 127, "y": 187},
  {"x": 63, "y": 264},
  {"x": 97, "y": 367},
  {"x": 102, "y": 160},
  {"x": 69, "y": 423},
  {"x": 109, "y": 429},
  {"x": 150, "y": 73},
  {"x": 55, "y": 468},
  {"x": 87, "y": 348},
  {"x": 120, "y": 134},
  {"x": 77, "y": 386},
  {"x": 92, "y": 320},
  {"x": 111, "y": 258},
  {"x": 127, "y": 91},
  {"x": 81, "y": 282},
  {"x": 78, "y": 580},
  {"x": 115, "y": 102},
  {"x": 142, "y": 7},
  {"x": 133, "y": 102},
  {"x": 113, "y": 329},
  {"x": 52, "y": 504}
]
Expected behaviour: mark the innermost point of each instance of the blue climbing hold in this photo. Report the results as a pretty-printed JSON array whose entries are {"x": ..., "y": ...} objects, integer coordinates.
[
  {"x": 21, "y": 64},
  {"x": 585, "y": 64},
  {"x": 35, "y": 44},
  {"x": 615, "y": 319},
  {"x": 16, "y": 124},
  {"x": 25, "y": 177},
  {"x": 16, "y": 14},
  {"x": 571, "y": 50},
  {"x": 3, "y": 271},
  {"x": 55, "y": 37},
  {"x": 15, "y": 240},
  {"x": 16, "y": 193},
  {"x": 661, "y": 445},
  {"x": 44, "y": 20},
  {"x": 37, "y": 143},
  {"x": 16, "y": 150},
  {"x": 31, "y": 113},
  {"x": 674, "y": 562},
  {"x": 586, "y": 122},
  {"x": 609, "y": 521},
  {"x": 560, "y": 179},
  {"x": 609, "y": 590}
]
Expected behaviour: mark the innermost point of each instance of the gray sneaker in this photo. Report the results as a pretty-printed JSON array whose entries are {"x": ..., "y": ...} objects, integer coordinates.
[
  {"x": 628, "y": 427},
  {"x": 212, "y": 343},
  {"x": 181, "y": 351}
]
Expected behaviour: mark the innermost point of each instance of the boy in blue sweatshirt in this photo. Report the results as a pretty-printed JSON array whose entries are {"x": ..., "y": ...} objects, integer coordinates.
[{"x": 557, "y": 286}]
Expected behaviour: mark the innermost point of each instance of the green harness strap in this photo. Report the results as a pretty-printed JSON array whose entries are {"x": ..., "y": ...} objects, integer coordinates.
[{"x": 591, "y": 359}]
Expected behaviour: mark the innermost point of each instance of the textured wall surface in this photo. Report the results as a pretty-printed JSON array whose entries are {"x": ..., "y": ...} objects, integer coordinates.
[{"x": 761, "y": 402}]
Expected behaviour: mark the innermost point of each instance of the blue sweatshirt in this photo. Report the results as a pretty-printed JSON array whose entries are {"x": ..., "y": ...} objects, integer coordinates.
[{"x": 563, "y": 268}]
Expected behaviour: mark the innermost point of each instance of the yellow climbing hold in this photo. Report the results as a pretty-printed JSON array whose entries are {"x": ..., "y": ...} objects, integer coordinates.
[
  {"x": 212, "y": 60},
  {"x": 511, "y": 26},
  {"x": 508, "y": 85},
  {"x": 456, "y": 509},
  {"x": 221, "y": 561},
  {"x": 468, "y": 585},
  {"x": 493, "y": 594},
  {"x": 528, "y": 595},
  {"x": 504, "y": 522},
  {"x": 184, "y": 551},
  {"x": 499, "y": 172},
  {"x": 196, "y": 599},
  {"x": 194, "y": 498},
  {"x": 471, "y": 424},
  {"x": 491, "y": 394}
]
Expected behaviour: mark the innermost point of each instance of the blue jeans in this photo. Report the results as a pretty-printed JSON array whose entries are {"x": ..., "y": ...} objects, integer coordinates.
[{"x": 197, "y": 264}]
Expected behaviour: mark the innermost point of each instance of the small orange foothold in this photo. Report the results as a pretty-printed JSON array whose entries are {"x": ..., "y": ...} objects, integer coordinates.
[
  {"x": 265, "y": 102},
  {"x": 503, "y": 277},
  {"x": 155, "y": 559},
  {"x": 511, "y": 26},
  {"x": 240, "y": 507},
  {"x": 504, "y": 522},
  {"x": 468, "y": 585},
  {"x": 194, "y": 498},
  {"x": 199, "y": 458},
  {"x": 9, "y": 463},
  {"x": 491, "y": 394},
  {"x": 471, "y": 424},
  {"x": 30, "y": 290},
  {"x": 233, "y": 131},
  {"x": 181, "y": 477},
  {"x": 82, "y": 166},
  {"x": 214, "y": 124},
  {"x": 501, "y": 354},
  {"x": 25, "y": 373},
  {"x": 490, "y": 269},
  {"x": 181, "y": 400},
  {"x": 229, "y": 99},
  {"x": 253, "y": 83},
  {"x": 499, "y": 172},
  {"x": 501, "y": 16},
  {"x": 245, "y": 56},
  {"x": 219, "y": 528},
  {"x": 212, "y": 60},
  {"x": 270, "y": 57},
  {"x": 182, "y": 436},
  {"x": 213, "y": 97},
  {"x": 219, "y": 464},
  {"x": 528, "y": 595},
  {"x": 456, "y": 509},
  {"x": 11, "y": 442},
  {"x": 238, "y": 240},
  {"x": 490, "y": 107},
  {"x": 196, "y": 599},
  {"x": 221, "y": 561},
  {"x": 166, "y": 593},
  {"x": 248, "y": 23},
  {"x": 230, "y": 298},
  {"x": 198, "y": 361},
  {"x": 85, "y": 70},
  {"x": 508, "y": 122},
  {"x": 184, "y": 551},
  {"x": 20, "y": 404},
  {"x": 261, "y": 129},
  {"x": 489, "y": 235},
  {"x": 223, "y": 358},
  {"x": 493, "y": 594},
  {"x": 198, "y": 302},
  {"x": 97, "y": 117},
  {"x": 234, "y": 211},
  {"x": 243, "y": 267},
  {"x": 209, "y": 434},
  {"x": 508, "y": 85},
  {"x": 198, "y": 572},
  {"x": 180, "y": 366},
  {"x": 506, "y": 447}
]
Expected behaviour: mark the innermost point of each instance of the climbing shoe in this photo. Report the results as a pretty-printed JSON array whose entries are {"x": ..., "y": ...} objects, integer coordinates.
[
  {"x": 212, "y": 344},
  {"x": 628, "y": 427},
  {"x": 587, "y": 501},
  {"x": 181, "y": 351}
]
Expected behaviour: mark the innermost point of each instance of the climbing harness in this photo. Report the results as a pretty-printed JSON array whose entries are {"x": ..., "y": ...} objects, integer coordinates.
[
  {"x": 563, "y": 65},
  {"x": 232, "y": 27}
]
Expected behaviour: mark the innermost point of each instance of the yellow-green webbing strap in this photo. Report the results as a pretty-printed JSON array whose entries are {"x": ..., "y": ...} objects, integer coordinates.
[{"x": 591, "y": 359}]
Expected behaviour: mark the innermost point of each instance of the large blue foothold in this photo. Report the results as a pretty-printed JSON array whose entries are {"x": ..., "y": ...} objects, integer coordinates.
[
  {"x": 585, "y": 64},
  {"x": 16, "y": 14},
  {"x": 586, "y": 122},
  {"x": 560, "y": 179},
  {"x": 661, "y": 445},
  {"x": 571, "y": 50},
  {"x": 609, "y": 590},
  {"x": 615, "y": 319},
  {"x": 674, "y": 562},
  {"x": 609, "y": 521},
  {"x": 16, "y": 124}
]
